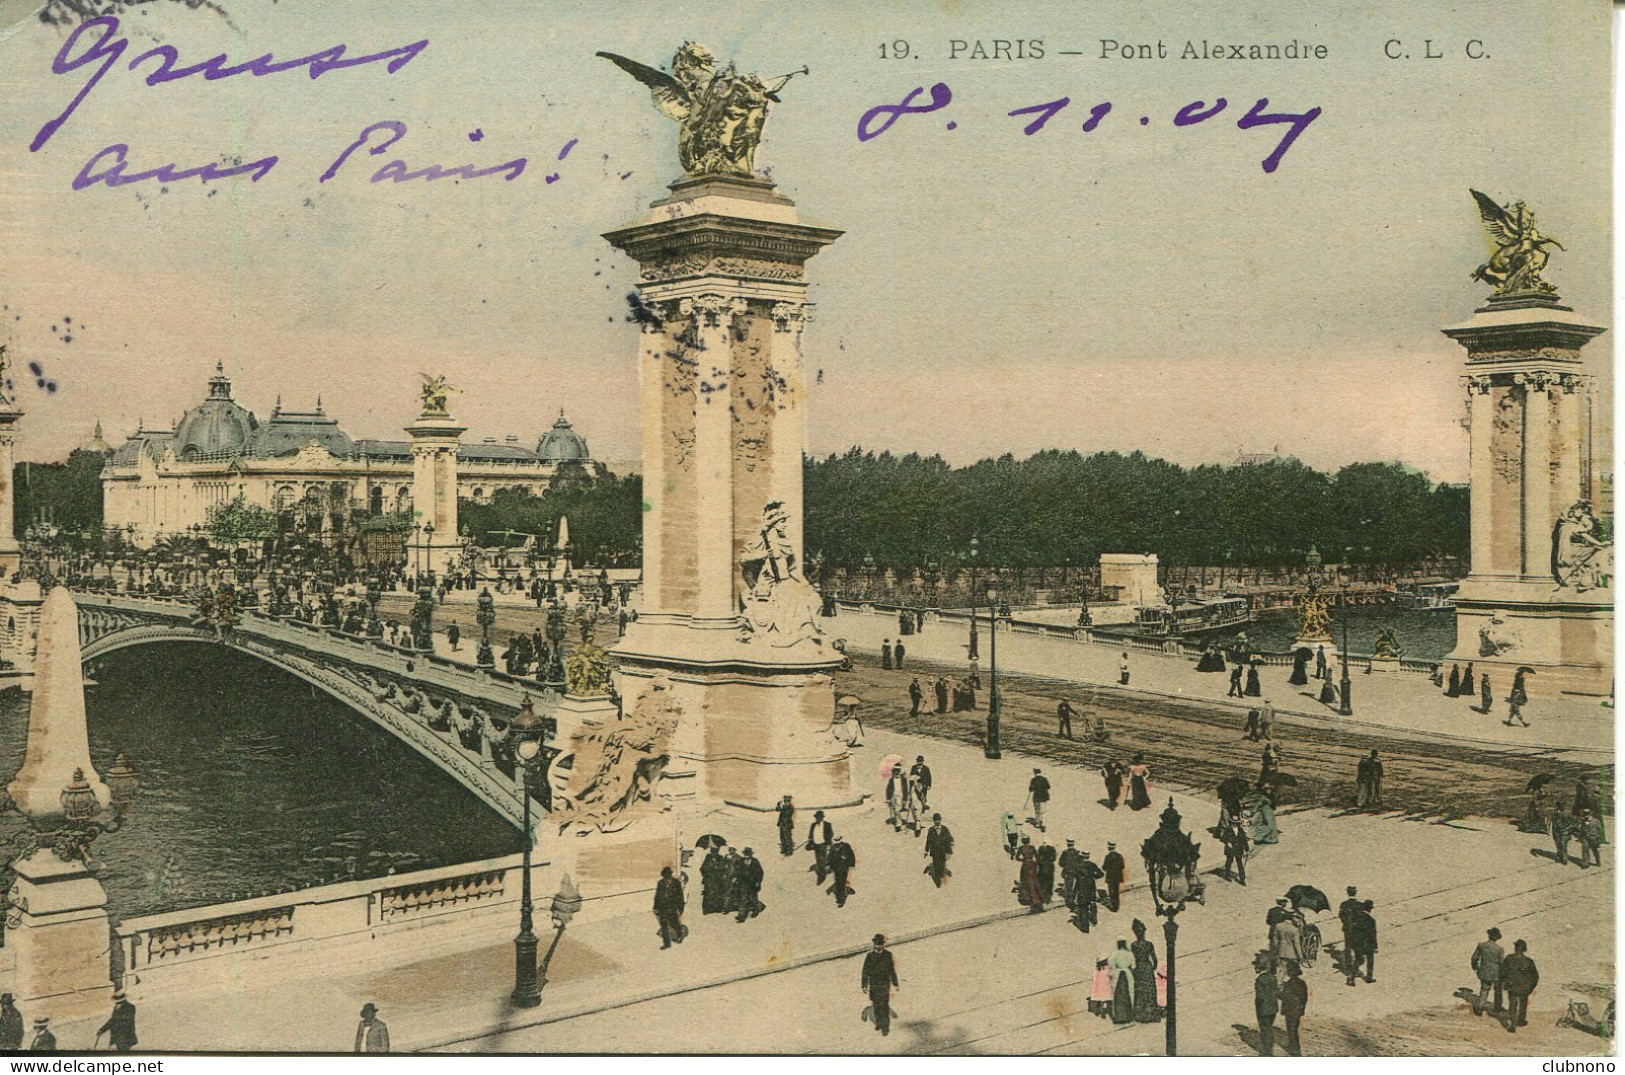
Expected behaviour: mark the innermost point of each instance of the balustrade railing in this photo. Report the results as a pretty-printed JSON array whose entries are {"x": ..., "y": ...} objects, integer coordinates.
[
  {"x": 445, "y": 894},
  {"x": 213, "y": 934}
]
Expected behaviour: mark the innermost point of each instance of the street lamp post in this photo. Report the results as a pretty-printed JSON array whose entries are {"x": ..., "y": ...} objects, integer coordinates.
[
  {"x": 975, "y": 551},
  {"x": 485, "y": 616},
  {"x": 995, "y": 702},
  {"x": 1346, "y": 686},
  {"x": 526, "y": 732},
  {"x": 1170, "y": 864}
]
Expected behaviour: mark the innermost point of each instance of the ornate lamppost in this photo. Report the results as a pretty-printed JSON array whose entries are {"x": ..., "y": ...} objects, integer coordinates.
[
  {"x": 869, "y": 575},
  {"x": 375, "y": 626},
  {"x": 526, "y": 734},
  {"x": 485, "y": 616},
  {"x": 1345, "y": 706},
  {"x": 995, "y": 700},
  {"x": 1170, "y": 865},
  {"x": 974, "y": 593}
]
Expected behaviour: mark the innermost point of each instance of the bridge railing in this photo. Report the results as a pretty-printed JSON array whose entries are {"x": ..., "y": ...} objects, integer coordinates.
[{"x": 462, "y": 905}]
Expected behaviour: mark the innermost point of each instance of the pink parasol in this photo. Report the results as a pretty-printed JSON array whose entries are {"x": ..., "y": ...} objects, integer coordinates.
[{"x": 889, "y": 762}]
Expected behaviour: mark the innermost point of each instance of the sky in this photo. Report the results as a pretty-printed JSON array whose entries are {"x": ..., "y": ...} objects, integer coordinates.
[{"x": 1144, "y": 287}]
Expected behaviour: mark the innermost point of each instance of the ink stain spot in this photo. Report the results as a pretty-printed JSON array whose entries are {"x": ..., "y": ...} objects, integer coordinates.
[
  {"x": 1145, "y": 120},
  {"x": 475, "y": 135},
  {"x": 952, "y": 125},
  {"x": 554, "y": 178}
]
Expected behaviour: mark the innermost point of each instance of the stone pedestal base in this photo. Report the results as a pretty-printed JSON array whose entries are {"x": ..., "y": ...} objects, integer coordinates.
[
  {"x": 757, "y": 721},
  {"x": 59, "y": 939},
  {"x": 614, "y": 871},
  {"x": 1567, "y": 637},
  {"x": 1385, "y": 664}
]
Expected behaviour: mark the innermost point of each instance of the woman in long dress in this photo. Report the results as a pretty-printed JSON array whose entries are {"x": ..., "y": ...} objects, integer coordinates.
[
  {"x": 1139, "y": 784},
  {"x": 1260, "y": 816},
  {"x": 1254, "y": 689},
  {"x": 1027, "y": 890},
  {"x": 1300, "y": 667},
  {"x": 1145, "y": 976},
  {"x": 1534, "y": 816},
  {"x": 1454, "y": 689},
  {"x": 1121, "y": 966},
  {"x": 713, "y": 883}
]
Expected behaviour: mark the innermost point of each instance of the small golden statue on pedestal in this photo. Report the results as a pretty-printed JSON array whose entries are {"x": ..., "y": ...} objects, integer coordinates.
[{"x": 1519, "y": 249}]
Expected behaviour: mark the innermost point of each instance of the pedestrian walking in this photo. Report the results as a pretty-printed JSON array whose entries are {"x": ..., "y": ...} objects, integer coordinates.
[
  {"x": 885, "y": 655},
  {"x": 1087, "y": 895},
  {"x": 819, "y": 837},
  {"x": 1266, "y": 1004},
  {"x": 941, "y": 689},
  {"x": 1519, "y": 976},
  {"x": 1010, "y": 828},
  {"x": 668, "y": 908},
  {"x": 1063, "y": 714},
  {"x": 713, "y": 882},
  {"x": 1233, "y": 835},
  {"x": 1586, "y": 799},
  {"x": 454, "y": 635},
  {"x": 787, "y": 826},
  {"x": 842, "y": 860},
  {"x": 1589, "y": 830},
  {"x": 1115, "y": 870},
  {"x": 1046, "y": 872},
  {"x": 1294, "y": 1002},
  {"x": 11, "y": 1025},
  {"x": 1139, "y": 784},
  {"x": 1517, "y": 698},
  {"x": 1235, "y": 682},
  {"x": 748, "y": 875},
  {"x": 879, "y": 979},
  {"x": 1122, "y": 669},
  {"x": 920, "y": 773},
  {"x": 1251, "y": 731},
  {"x": 1038, "y": 793},
  {"x": 44, "y": 1041},
  {"x": 1345, "y": 918},
  {"x": 732, "y": 887},
  {"x": 1286, "y": 934},
  {"x": 939, "y": 845},
  {"x": 1362, "y": 944},
  {"x": 1027, "y": 890},
  {"x": 1254, "y": 688},
  {"x": 1454, "y": 689},
  {"x": 372, "y": 1035},
  {"x": 1486, "y": 963},
  {"x": 1321, "y": 667},
  {"x": 897, "y": 652},
  {"x": 1146, "y": 1009},
  {"x": 1486, "y": 699},
  {"x": 1070, "y": 860},
  {"x": 1562, "y": 831},
  {"x": 916, "y": 695},
  {"x": 1266, "y": 720},
  {"x": 120, "y": 1026},
  {"x": 1121, "y": 965},
  {"x": 1368, "y": 783},
  {"x": 1114, "y": 773}
]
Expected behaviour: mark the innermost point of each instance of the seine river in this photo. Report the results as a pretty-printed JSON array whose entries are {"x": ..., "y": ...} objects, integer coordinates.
[
  {"x": 254, "y": 782},
  {"x": 1424, "y": 636}
]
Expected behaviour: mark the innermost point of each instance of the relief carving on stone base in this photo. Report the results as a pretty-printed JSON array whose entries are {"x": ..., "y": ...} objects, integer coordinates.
[
  {"x": 1505, "y": 428},
  {"x": 710, "y": 265},
  {"x": 1581, "y": 559},
  {"x": 1497, "y": 637},
  {"x": 614, "y": 769},
  {"x": 779, "y": 605}
]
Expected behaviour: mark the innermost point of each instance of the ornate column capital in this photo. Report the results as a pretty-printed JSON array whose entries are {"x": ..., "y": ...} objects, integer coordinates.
[
  {"x": 790, "y": 316},
  {"x": 1476, "y": 384},
  {"x": 1573, "y": 382},
  {"x": 1536, "y": 380},
  {"x": 709, "y": 310}
]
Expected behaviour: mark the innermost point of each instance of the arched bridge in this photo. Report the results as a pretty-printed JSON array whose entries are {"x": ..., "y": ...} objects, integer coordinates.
[{"x": 453, "y": 714}]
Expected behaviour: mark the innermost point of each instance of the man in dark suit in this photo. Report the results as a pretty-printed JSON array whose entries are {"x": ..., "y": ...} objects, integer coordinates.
[
  {"x": 1486, "y": 963},
  {"x": 818, "y": 838},
  {"x": 1070, "y": 862},
  {"x": 1362, "y": 944},
  {"x": 841, "y": 861},
  {"x": 1063, "y": 714},
  {"x": 941, "y": 689},
  {"x": 897, "y": 652},
  {"x": 1114, "y": 869},
  {"x": 916, "y": 694},
  {"x": 1088, "y": 906},
  {"x": 1520, "y": 976},
  {"x": 1294, "y": 1001},
  {"x": 11, "y": 1025},
  {"x": 669, "y": 904},
  {"x": 939, "y": 844},
  {"x": 120, "y": 1026},
  {"x": 749, "y": 881},
  {"x": 921, "y": 773},
  {"x": 787, "y": 826},
  {"x": 1266, "y": 1004},
  {"x": 1345, "y": 915},
  {"x": 879, "y": 979},
  {"x": 1038, "y": 794}
]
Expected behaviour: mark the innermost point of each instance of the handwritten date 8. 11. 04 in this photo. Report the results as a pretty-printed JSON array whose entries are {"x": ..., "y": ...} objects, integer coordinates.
[{"x": 879, "y": 119}]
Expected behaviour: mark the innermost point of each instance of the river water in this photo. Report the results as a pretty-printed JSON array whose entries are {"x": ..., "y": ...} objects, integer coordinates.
[
  {"x": 254, "y": 782},
  {"x": 1424, "y": 636}
]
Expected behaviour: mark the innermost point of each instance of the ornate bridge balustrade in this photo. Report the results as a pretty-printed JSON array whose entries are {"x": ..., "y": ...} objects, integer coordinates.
[{"x": 453, "y": 714}]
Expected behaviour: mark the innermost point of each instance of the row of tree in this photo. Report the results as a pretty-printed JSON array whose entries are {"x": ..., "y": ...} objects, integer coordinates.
[{"x": 1053, "y": 509}]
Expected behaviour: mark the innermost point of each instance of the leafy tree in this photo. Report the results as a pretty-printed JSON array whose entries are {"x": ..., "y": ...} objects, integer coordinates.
[{"x": 236, "y": 521}]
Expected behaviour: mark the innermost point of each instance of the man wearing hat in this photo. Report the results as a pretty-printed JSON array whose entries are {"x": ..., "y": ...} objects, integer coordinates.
[
  {"x": 668, "y": 907},
  {"x": 11, "y": 1025},
  {"x": 939, "y": 844},
  {"x": 819, "y": 837},
  {"x": 879, "y": 979},
  {"x": 44, "y": 1041},
  {"x": 787, "y": 826},
  {"x": 120, "y": 1026},
  {"x": 1487, "y": 959},
  {"x": 1115, "y": 870},
  {"x": 841, "y": 860},
  {"x": 920, "y": 773},
  {"x": 1088, "y": 907},
  {"x": 1070, "y": 862},
  {"x": 372, "y": 1036},
  {"x": 748, "y": 879},
  {"x": 1038, "y": 792},
  {"x": 1346, "y": 912}
]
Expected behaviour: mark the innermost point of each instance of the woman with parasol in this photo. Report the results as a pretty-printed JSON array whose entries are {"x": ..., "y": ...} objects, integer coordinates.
[
  {"x": 1300, "y": 666},
  {"x": 1537, "y": 814}
]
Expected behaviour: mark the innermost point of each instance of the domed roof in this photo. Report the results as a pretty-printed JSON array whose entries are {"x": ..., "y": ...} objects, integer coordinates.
[
  {"x": 217, "y": 426},
  {"x": 289, "y": 432},
  {"x": 561, "y": 443}
]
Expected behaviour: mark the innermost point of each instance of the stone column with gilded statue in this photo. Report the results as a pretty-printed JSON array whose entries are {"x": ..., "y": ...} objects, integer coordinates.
[
  {"x": 436, "y": 437},
  {"x": 1540, "y": 590},
  {"x": 728, "y": 634}
]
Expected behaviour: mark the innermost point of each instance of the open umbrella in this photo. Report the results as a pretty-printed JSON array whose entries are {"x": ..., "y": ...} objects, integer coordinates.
[
  {"x": 1281, "y": 780},
  {"x": 1303, "y": 896},
  {"x": 889, "y": 762},
  {"x": 1234, "y": 788},
  {"x": 711, "y": 840},
  {"x": 1539, "y": 781},
  {"x": 849, "y": 701},
  {"x": 1526, "y": 670}
]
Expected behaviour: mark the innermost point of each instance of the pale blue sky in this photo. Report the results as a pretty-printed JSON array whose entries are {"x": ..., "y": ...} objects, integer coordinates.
[{"x": 1135, "y": 287}]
